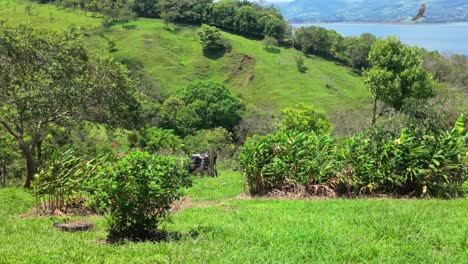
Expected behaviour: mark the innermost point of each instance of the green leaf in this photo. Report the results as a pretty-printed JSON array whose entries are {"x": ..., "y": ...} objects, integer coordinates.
[{"x": 459, "y": 127}]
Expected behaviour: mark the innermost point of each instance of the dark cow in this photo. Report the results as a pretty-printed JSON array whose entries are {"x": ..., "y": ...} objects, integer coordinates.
[{"x": 203, "y": 164}]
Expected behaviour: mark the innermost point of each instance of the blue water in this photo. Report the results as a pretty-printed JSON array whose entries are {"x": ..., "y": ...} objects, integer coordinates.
[{"x": 445, "y": 38}]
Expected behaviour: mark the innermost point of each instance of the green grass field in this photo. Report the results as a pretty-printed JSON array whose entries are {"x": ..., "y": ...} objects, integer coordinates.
[
  {"x": 218, "y": 227},
  {"x": 173, "y": 58}
]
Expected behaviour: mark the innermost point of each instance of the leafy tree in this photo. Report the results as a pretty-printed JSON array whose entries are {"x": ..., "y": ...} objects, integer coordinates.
[
  {"x": 177, "y": 115},
  {"x": 246, "y": 21},
  {"x": 214, "y": 104},
  {"x": 356, "y": 52},
  {"x": 185, "y": 11},
  {"x": 222, "y": 14},
  {"x": 274, "y": 27},
  {"x": 47, "y": 79},
  {"x": 305, "y": 118},
  {"x": 156, "y": 140},
  {"x": 397, "y": 74},
  {"x": 211, "y": 38},
  {"x": 313, "y": 40},
  {"x": 148, "y": 8},
  {"x": 117, "y": 11}
]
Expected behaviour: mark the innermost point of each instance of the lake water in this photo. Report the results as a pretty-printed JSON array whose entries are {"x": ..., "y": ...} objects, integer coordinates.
[{"x": 445, "y": 38}]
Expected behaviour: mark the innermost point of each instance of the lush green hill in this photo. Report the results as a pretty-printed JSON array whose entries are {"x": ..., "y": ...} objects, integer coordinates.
[{"x": 173, "y": 58}]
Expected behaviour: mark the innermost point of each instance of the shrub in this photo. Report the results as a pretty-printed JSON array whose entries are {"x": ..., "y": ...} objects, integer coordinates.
[
  {"x": 305, "y": 118},
  {"x": 137, "y": 190},
  {"x": 211, "y": 38},
  {"x": 156, "y": 140},
  {"x": 300, "y": 64},
  {"x": 287, "y": 158},
  {"x": 412, "y": 163}
]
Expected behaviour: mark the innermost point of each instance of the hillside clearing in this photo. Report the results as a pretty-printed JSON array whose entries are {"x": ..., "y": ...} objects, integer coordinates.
[{"x": 174, "y": 58}]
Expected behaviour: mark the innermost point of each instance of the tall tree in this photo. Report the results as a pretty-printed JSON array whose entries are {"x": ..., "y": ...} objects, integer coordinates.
[
  {"x": 48, "y": 78},
  {"x": 397, "y": 74}
]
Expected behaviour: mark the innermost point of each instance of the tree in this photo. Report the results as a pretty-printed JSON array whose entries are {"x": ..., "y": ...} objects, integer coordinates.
[
  {"x": 148, "y": 8},
  {"x": 305, "y": 118},
  {"x": 48, "y": 79},
  {"x": 246, "y": 21},
  {"x": 313, "y": 40},
  {"x": 176, "y": 115},
  {"x": 185, "y": 11},
  {"x": 211, "y": 38},
  {"x": 117, "y": 11},
  {"x": 214, "y": 104},
  {"x": 397, "y": 74},
  {"x": 356, "y": 52}
]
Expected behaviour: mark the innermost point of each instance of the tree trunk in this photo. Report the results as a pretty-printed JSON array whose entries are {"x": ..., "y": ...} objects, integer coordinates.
[
  {"x": 374, "y": 114},
  {"x": 39, "y": 153},
  {"x": 3, "y": 174},
  {"x": 30, "y": 165}
]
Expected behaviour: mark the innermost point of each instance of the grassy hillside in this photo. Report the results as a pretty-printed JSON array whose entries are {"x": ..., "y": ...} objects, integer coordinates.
[
  {"x": 173, "y": 58},
  {"x": 216, "y": 226}
]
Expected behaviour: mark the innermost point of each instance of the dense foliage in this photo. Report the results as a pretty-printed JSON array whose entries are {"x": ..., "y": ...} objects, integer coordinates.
[
  {"x": 59, "y": 180},
  {"x": 48, "y": 78},
  {"x": 305, "y": 118},
  {"x": 211, "y": 38},
  {"x": 411, "y": 163},
  {"x": 137, "y": 190},
  {"x": 376, "y": 162},
  {"x": 287, "y": 158},
  {"x": 239, "y": 16},
  {"x": 352, "y": 51},
  {"x": 397, "y": 74},
  {"x": 200, "y": 105}
]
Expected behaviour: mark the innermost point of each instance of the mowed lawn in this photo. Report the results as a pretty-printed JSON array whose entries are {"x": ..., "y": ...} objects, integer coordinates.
[
  {"x": 215, "y": 225},
  {"x": 173, "y": 58}
]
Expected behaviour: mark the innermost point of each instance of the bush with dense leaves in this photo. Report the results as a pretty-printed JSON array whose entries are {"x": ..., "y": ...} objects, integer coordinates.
[
  {"x": 380, "y": 161},
  {"x": 137, "y": 189},
  {"x": 411, "y": 163},
  {"x": 287, "y": 158},
  {"x": 157, "y": 140},
  {"x": 211, "y": 38},
  {"x": 305, "y": 118}
]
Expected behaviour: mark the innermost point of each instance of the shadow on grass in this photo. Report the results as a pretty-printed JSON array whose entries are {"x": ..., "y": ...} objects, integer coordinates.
[
  {"x": 130, "y": 27},
  {"x": 158, "y": 236},
  {"x": 214, "y": 54},
  {"x": 272, "y": 50},
  {"x": 355, "y": 72}
]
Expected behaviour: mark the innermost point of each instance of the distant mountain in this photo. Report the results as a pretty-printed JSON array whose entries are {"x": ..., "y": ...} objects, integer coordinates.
[{"x": 438, "y": 11}]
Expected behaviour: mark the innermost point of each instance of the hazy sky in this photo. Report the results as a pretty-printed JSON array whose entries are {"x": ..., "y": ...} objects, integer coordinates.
[{"x": 269, "y": 1}]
